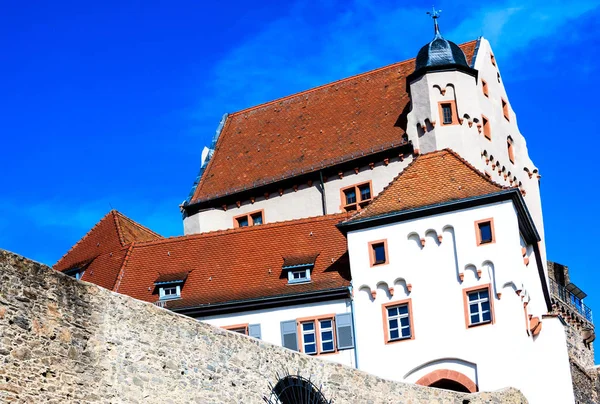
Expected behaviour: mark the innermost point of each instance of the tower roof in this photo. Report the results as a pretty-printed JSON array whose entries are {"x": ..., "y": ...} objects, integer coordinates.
[{"x": 440, "y": 53}]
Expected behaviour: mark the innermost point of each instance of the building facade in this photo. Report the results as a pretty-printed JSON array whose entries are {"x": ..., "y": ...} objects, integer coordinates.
[{"x": 390, "y": 221}]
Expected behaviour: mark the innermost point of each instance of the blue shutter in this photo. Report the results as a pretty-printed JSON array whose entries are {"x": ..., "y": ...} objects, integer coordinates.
[
  {"x": 254, "y": 330},
  {"x": 345, "y": 333},
  {"x": 289, "y": 338}
]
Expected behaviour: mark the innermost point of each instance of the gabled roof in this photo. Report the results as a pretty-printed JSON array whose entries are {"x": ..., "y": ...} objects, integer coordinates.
[
  {"x": 430, "y": 179},
  {"x": 112, "y": 234},
  {"x": 310, "y": 130},
  {"x": 239, "y": 264}
]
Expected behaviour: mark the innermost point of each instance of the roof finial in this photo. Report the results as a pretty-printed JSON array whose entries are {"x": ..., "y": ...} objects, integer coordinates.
[{"x": 435, "y": 14}]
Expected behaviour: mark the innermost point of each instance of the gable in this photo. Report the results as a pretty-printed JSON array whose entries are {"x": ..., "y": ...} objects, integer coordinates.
[
  {"x": 310, "y": 130},
  {"x": 431, "y": 179}
]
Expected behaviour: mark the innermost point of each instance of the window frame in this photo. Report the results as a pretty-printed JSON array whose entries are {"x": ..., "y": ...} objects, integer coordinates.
[
  {"x": 484, "y": 88},
  {"x": 161, "y": 292},
  {"x": 386, "y": 326},
  {"x": 235, "y": 327},
  {"x": 479, "y": 242},
  {"x": 485, "y": 127},
  {"x": 248, "y": 216},
  {"x": 294, "y": 281},
  {"x": 453, "y": 110},
  {"x": 505, "y": 110},
  {"x": 359, "y": 204},
  {"x": 316, "y": 320},
  {"x": 467, "y": 308},
  {"x": 372, "y": 261}
]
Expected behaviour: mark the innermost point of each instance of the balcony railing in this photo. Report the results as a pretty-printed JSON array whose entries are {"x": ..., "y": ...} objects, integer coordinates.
[{"x": 570, "y": 300}]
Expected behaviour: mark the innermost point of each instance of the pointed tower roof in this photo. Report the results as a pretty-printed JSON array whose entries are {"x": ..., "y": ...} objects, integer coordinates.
[{"x": 431, "y": 179}]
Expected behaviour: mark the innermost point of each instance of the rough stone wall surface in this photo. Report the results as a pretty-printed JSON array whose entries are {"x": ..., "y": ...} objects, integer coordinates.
[
  {"x": 67, "y": 341},
  {"x": 585, "y": 384}
]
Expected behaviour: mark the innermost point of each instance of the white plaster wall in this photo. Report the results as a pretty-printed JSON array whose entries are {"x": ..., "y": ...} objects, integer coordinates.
[
  {"x": 270, "y": 320},
  {"x": 495, "y": 355},
  {"x": 303, "y": 203},
  {"x": 467, "y": 141}
]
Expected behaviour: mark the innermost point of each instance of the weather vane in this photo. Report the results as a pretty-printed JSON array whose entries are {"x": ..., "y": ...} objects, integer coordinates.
[{"x": 435, "y": 14}]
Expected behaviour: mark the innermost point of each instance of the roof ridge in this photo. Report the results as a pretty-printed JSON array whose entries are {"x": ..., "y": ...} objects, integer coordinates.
[
  {"x": 265, "y": 226},
  {"x": 310, "y": 90},
  {"x": 82, "y": 239}
]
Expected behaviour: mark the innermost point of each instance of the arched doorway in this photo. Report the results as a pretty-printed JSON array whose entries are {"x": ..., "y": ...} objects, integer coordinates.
[{"x": 448, "y": 380}]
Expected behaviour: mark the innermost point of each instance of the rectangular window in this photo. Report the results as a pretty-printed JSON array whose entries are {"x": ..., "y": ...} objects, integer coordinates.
[
  {"x": 299, "y": 275},
  {"x": 478, "y": 308},
  {"x": 378, "y": 252},
  {"x": 505, "y": 109},
  {"x": 356, "y": 196},
  {"x": 249, "y": 219},
  {"x": 487, "y": 132},
  {"x": 447, "y": 113},
  {"x": 309, "y": 338},
  {"x": 397, "y": 319},
  {"x": 484, "y": 230},
  {"x": 493, "y": 59},
  {"x": 169, "y": 292},
  {"x": 326, "y": 330},
  {"x": 484, "y": 88}
]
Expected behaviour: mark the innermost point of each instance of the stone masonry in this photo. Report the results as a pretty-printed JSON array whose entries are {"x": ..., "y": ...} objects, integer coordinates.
[{"x": 64, "y": 341}]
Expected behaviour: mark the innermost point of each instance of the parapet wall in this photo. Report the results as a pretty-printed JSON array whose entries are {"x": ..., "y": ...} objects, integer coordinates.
[{"x": 62, "y": 340}]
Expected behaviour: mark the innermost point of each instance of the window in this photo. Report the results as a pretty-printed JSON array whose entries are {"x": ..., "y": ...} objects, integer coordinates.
[
  {"x": 487, "y": 132},
  {"x": 299, "y": 275},
  {"x": 249, "y": 219},
  {"x": 448, "y": 112},
  {"x": 397, "y": 320},
  {"x": 511, "y": 151},
  {"x": 484, "y": 230},
  {"x": 240, "y": 328},
  {"x": 478, "y": 306},
  {"x": 169, "y": 292},
  {"x": 318, "y": 335},
  {"x": 484, "y": 87},
  {"x": 76, "y": 273},
  {"x": 493, "y": 59},
  {"x": 378, "y": 252},
  {"x": 356, "y": 197},
  {"x": 505, "y": 109}
]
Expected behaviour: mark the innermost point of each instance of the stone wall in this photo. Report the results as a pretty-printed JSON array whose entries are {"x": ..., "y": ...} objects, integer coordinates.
[{"x": 67, "y": 341}]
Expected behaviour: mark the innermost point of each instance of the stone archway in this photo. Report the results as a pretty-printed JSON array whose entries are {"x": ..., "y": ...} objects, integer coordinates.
[{"x": 449, "y": 380}]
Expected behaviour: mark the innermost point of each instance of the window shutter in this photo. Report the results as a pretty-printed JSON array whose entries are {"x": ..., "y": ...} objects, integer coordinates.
[
  {"x": 345, "y": 333},
  {"x": 254, "y": 330},
  {"x": 289, "y": 338}
]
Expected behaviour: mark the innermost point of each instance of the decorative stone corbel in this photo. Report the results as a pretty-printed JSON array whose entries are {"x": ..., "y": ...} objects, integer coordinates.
[
  {"x": 422, "y": 242},
  {"x": 440, "y": 238},
  {"x": 266, "y": 195},
  {"x": 409, "y": 287},
  {"x": 373, "y": 293},
  {"x": 391, "y": 291},
  {"x": 252, "y": 199},
  {"x": 461, "y": 276},
  {"x": 224, "y": 208}
]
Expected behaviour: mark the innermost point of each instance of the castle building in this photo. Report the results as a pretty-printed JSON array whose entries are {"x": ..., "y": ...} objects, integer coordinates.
[{"x": 390, "y": 221}]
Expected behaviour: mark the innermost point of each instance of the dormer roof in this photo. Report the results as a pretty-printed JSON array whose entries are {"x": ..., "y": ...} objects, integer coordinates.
[{"x": 311, "y": 130}]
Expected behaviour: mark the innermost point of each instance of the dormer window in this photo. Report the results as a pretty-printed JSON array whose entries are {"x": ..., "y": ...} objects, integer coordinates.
[
  {"x": 169, "y": 292},
  {"x": 298, "y": 269},
  {"x": 169, "y": 285},
  {"x": 76, "y": 273},
  {"x": 299, "y": 275}
]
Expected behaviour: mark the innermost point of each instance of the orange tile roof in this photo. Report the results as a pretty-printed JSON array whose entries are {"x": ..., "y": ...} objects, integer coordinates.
[
  {"x": 310, "y": 130},
  {"x": 430, "y": 179},
  {"x": 239, "y": 264},
  {"x": 110, "y": 235}
]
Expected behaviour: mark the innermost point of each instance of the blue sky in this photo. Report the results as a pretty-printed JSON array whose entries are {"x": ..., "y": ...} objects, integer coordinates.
[{"x": 108, "y": 104}]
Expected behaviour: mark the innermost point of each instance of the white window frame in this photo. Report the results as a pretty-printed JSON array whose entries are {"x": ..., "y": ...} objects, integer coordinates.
[
  {"x": 400, "y": 327},
  {"x": 480, "y": 310},
  {"x": 313, "y": 332},
  {"x": 161, "y": 292},
  {"x": 304, "y": 279},
  {"x": 325, "y": 329}
]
